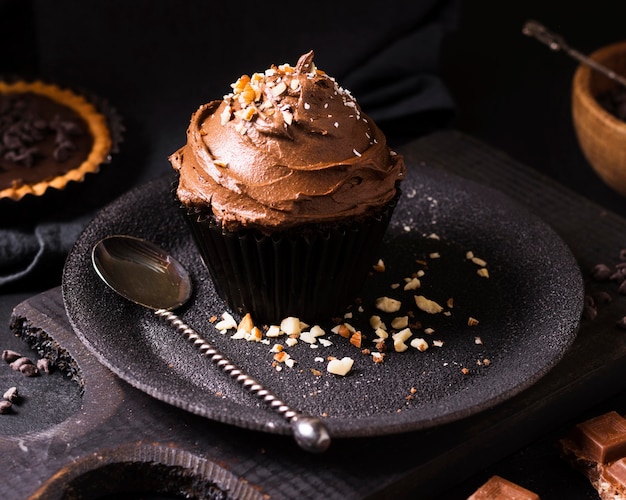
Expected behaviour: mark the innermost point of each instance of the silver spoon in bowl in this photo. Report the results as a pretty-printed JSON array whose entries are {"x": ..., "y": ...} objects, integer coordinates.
[
  {"x": 556, "y": 42},
  {"x": 143, "y": 273}
]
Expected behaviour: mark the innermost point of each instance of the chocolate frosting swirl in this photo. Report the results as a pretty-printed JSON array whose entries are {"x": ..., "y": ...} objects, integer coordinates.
[{"x": 287, "y": 147}]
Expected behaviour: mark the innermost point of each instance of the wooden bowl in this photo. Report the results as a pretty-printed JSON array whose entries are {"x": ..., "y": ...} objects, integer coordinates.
[{"x": 601, "y": 135}]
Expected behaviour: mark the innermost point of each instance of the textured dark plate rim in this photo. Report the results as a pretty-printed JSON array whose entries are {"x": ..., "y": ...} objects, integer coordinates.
[{"x": 559, "y": 325}]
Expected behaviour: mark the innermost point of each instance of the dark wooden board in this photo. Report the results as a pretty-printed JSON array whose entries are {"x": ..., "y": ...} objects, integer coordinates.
[{"x": 114, "y": 438}]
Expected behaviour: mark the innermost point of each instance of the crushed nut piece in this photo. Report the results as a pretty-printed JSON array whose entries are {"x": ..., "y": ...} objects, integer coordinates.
[
  {"x": 376, "y": 322},
  {"x": 340, "y": 366},
  {"x": 412, "y": 284},
  {"x": 290, "y": 325},
  {"x": 11, "y": 394},
  {"x": 281, "y": 356},
  {"x": 246, "y": 324},
  {"x": 400, "y": 338},
  {"x": 355, "y": 339},
  {"x": 342, "y": 330},
  {"x": 227, "y": 322},
  {"x": 420, "y": 344},
  {"x": 483, "y": 272},
  {"x": 400, "y": 322},
  {"x": 274, "y": 331},
  {"x": 427, "y": 305},
  {"x": 479, "y": 262},
  {"x": 379, "y": 266},
  {"x": 387, "y": 304},
  {"x": 378, "y": 357},
  {"x": 9, "y": 356},
  {"x": 5, "y": 407}
]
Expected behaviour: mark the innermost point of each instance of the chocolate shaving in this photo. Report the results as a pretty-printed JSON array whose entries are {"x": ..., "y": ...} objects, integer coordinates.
[{"x": 21, "y": 129}]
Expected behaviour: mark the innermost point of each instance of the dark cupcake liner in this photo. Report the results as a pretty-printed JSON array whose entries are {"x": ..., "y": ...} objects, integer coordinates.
[{"x": 312, "y": 273}]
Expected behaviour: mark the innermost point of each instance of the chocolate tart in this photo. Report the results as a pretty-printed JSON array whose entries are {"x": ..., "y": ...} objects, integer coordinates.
[{"x": 50, "y": 136}]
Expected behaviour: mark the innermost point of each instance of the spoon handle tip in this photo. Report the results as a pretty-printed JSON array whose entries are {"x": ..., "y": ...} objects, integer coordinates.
[{"x": 309, "y": 432}]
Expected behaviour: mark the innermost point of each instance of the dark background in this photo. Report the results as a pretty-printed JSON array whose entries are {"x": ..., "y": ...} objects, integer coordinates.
[
  {"x": 508, "y": 89},
  {"x": 514, "y": 92}
]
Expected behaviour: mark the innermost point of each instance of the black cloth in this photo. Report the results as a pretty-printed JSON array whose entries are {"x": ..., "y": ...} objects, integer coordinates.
[{"x": 156, "y": 61}]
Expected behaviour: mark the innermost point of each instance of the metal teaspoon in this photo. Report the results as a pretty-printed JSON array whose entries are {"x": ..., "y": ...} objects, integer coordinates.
[
  {"x": 556, "y": 42},
  {"x": 144, "y": 273}
]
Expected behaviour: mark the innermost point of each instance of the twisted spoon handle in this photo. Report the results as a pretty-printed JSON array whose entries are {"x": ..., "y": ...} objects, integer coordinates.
[
  {"x": 556, "y": 42},
  {"x": 309, "y": 432}
]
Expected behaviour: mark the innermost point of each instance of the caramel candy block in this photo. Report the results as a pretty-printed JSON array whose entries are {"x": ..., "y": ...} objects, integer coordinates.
[
  {"x": 498, "y": 488},
  {"x": 597, "y": 448},
  {"x": 615, "y": 474},
  {"x": 602, "y": 439}
]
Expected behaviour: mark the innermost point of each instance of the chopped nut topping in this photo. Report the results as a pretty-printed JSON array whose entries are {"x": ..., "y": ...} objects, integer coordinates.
[
  {"x": 379, "y": 266},
  {"x": 290, "y": 325},
  {"x": 340, "y": 366},
  {"x": 281, "y": 356},
  {"x": 400, "y": 322},
  {"x": 412, "y": 284},
  {"x": 479, "y": 262},
  {"x": 356, "y": 339},
  {"x": 376, "y": 322},
  {"x": 387, "y": 304},
  {"x": 263, "y": 95},
  {"x": 419, "y": 344},
  {"x": 483, "y": 272},
  {"x": 246, "y": 324},
  {"x": 342, "y": 330},
  {"x": 279, "y": 89},
  {"x": 378, "y": 357},
  {"x": 274, "y": 331},
  {"x": 427, "y": 305},
  {"x": 227, "y": 323},
  {"x": 400, "y": 338}
]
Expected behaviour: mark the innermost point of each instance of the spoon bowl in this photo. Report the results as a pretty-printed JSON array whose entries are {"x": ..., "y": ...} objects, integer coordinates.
[{"x": 143, "y": 273}]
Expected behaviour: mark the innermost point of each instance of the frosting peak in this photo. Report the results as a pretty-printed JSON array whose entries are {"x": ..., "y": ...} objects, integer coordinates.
[{"x": 286, "y": 147}]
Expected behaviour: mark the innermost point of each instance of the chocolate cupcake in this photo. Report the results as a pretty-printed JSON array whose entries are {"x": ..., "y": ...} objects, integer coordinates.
[
  {"x": 50, "y": 136},
  {"x": 288, "y": 188}
]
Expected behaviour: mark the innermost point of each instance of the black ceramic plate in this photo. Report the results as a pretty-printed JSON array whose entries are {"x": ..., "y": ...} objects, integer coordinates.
[{"x": 528, "y": 312}]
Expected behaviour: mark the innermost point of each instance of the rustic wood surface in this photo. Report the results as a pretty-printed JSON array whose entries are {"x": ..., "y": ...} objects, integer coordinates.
[{"x": 81, "y": 431}]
